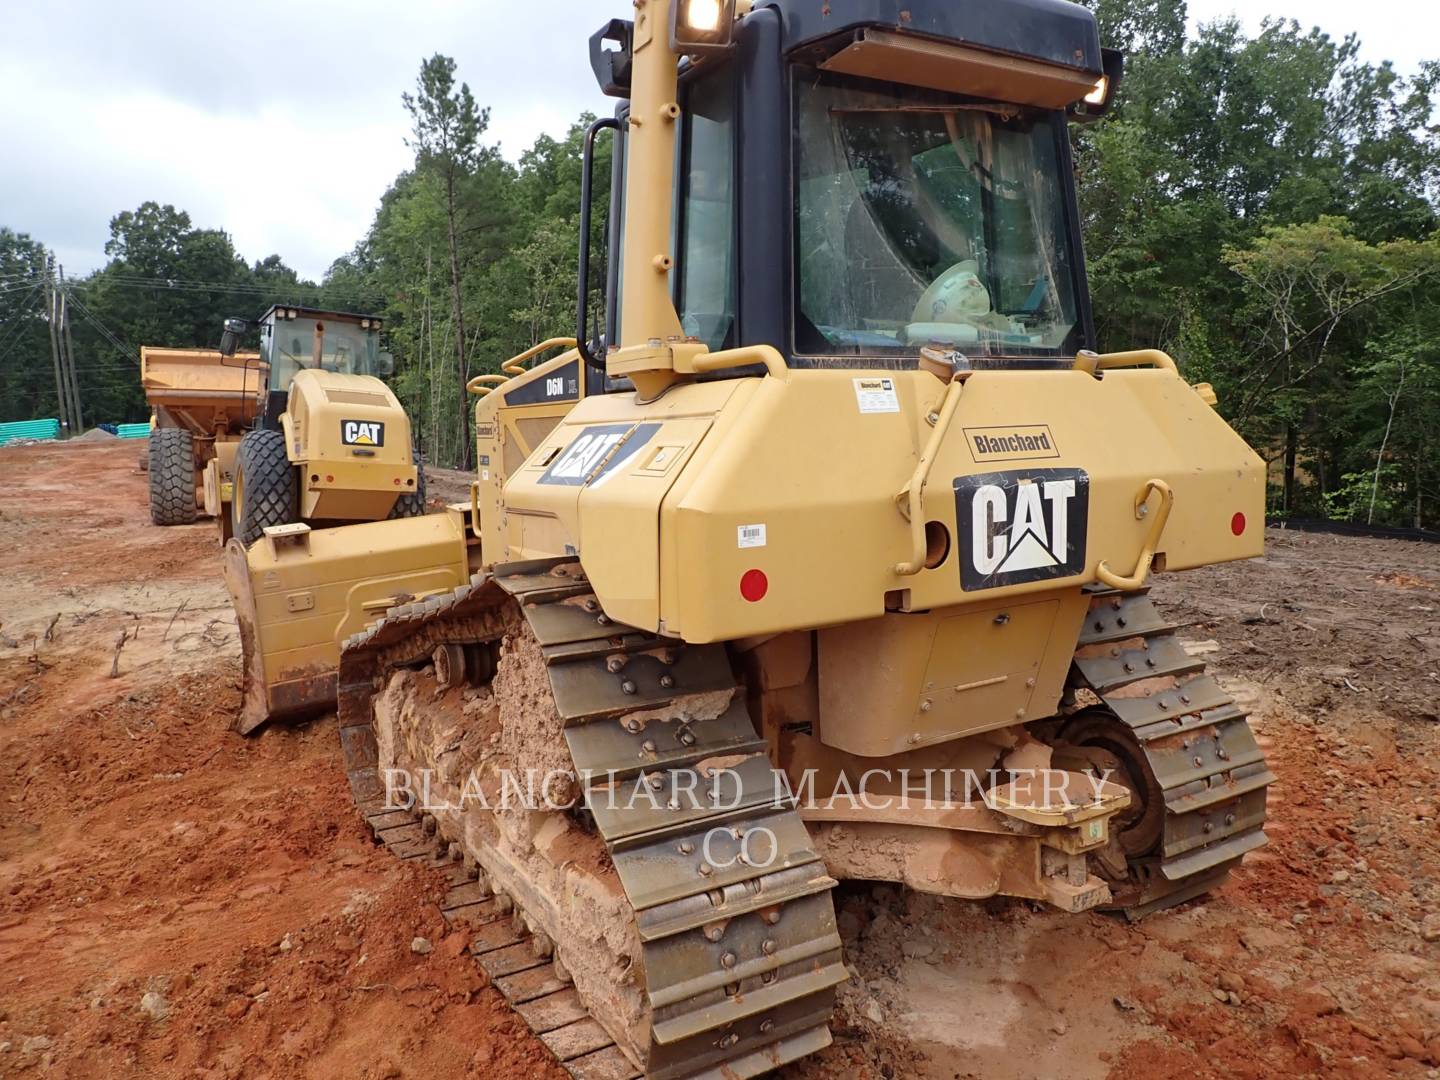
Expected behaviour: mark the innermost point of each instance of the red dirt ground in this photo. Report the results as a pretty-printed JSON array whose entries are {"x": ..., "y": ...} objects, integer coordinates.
[{"x": 178, "y": 901}]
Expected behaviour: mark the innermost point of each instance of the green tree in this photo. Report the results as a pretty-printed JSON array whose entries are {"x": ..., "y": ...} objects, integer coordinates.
[
  {"x": 447, "y": 127},
  {"x": 27, "y": 388}
]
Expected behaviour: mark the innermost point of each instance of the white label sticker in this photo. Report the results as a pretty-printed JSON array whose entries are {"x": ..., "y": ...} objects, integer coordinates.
[
  {"x": 751, "y": 536},
  {"x": 877, "y": 396}
]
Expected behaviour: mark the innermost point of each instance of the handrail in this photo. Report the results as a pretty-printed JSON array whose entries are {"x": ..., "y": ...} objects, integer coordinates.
[
  {"x": 513, "y": 366},
  {"x": 1147, "y": 553},
  {"x": 587, "y": 180},
  {"x": 1135, "y": 358},
  {"x": 744, "y": 356},
  {"x": 913, "y": 495},
  {"x": 481, "y": 385}
]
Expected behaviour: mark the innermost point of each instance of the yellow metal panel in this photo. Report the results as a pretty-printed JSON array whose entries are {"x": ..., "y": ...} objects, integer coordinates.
[
  {"x": 809, "y": 468},
  {"x": 620, "y": 511},
  {"x": 505, "y": 437},
  {"x": 307, "y": 595},
  {"x": 802, "y": 463},
  {"x": 359, "y": 490},
  {"x": 902, "y": 681},
  {"x": 323, "y": 403}
]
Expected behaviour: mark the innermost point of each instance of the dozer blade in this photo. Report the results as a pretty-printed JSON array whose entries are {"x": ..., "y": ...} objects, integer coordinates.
[{"x": 299, "y": 592}]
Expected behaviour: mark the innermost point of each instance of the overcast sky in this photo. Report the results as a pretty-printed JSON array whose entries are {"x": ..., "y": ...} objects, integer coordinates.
[{"x": 107, "y": 103}]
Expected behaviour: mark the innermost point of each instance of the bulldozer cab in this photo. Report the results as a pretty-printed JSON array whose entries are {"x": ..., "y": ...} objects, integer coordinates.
[{"x": 907, "y": 179}]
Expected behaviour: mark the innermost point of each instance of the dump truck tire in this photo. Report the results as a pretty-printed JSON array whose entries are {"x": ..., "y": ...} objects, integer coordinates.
[
  {"x": 266, "y": 490},
  {"x": 413, "y": 504},
  {"x": 172, "y": 477}
]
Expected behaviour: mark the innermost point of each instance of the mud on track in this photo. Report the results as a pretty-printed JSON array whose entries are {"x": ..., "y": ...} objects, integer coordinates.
[{"x": 176, "y": 901}]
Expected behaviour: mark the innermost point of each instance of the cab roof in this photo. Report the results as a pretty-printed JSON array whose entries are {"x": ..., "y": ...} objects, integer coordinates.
[
  {"x": 317, "y": 313},
  {"x": 1050, "y": 31}
]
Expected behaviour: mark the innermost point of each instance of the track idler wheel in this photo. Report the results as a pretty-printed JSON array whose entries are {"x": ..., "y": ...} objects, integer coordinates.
[
  {"x": 1107, "y": 744},
  {"x": 449, "y": 661},
  {"x": 1099, "y": 742}
]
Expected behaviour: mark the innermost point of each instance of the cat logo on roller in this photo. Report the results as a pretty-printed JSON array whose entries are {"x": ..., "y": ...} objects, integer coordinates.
[
  {"x": 362, "y": 433},
  {"x": 1018, "y": 527}
]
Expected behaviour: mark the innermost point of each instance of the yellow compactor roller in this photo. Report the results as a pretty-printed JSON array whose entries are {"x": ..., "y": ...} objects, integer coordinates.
[
  {"x": 331, "y": 443},
  {"x": 831, "y": 563}
]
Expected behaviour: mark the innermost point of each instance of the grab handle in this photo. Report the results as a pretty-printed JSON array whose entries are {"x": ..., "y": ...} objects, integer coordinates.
[
  {"x": 1147, "y": 553},
  {"x": 911, "y": 500},
  {"x": 516, "y": 364},
  {"x": 481, "y": 385},
  {"x": 1090, "y": 363}
]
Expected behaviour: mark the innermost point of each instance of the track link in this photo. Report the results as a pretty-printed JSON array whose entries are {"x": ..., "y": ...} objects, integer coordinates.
[
  {"x": 1196, "y": 741},
  {"x": 740, "y": 954}
]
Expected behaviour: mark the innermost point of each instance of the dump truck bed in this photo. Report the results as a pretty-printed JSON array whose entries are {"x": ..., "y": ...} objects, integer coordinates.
[{"x": 201, "y": 390}]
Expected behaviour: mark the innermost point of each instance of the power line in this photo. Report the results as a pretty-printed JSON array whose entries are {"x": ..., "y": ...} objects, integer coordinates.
[
  {"x": 253, "y": 288},
  {"x": 14, "y": 334},
  {"x": 124, "y": 348},
  {"x": 19, "y": 286}
]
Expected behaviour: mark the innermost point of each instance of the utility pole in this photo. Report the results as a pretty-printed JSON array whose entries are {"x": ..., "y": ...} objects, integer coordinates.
[
  {"x": 52, "y": 321},
  {"x": 76, "y": 413}
]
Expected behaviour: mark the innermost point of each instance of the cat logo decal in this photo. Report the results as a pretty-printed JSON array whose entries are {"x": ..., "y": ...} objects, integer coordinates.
[
  {"x": 597, "y": 452},
  {"x": 1019, "y": 527},
  {"x": 362, "y": 433}
]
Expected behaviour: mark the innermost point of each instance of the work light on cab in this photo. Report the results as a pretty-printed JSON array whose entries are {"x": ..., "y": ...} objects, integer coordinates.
[{"x": 702, "y": 27}]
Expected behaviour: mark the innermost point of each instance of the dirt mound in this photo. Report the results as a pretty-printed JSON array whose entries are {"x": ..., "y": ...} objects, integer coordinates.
[
  {"x": 95, "y": 435},
  {"x": 176, "y": 901}
]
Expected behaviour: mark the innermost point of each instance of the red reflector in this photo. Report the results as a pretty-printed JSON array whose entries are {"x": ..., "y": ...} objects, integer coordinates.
[
  {"x": 754, "y": 585},
  {"x": 1237, "y": 525},
  {"x": 397, "y": 481},
  {"x": 329, "y": 479}
]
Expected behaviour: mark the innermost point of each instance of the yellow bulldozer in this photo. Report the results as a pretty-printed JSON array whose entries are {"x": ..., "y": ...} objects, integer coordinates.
[
  {"x": 331, "y": 443},
  {"x": 830, "y": 562}
]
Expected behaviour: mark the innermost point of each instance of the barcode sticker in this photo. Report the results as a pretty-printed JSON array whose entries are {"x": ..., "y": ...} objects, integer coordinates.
[{"x": 751, "y": 536}]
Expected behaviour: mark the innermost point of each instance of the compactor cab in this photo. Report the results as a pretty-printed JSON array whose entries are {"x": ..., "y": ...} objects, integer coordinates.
[
  {"x": 331, "y": 444},
  {"x": 831, "y": 561}
]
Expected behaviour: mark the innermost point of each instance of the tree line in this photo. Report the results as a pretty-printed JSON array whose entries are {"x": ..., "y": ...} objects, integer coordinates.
[{"x": 1264, "y": 207}]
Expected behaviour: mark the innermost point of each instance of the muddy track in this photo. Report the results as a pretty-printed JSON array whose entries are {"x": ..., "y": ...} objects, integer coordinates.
[{"x": 719, "y": 959}]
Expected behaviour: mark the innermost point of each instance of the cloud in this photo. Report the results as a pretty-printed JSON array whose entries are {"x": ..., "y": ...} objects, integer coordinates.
[
  {"x": 1387, "y": 28},
  {"x": 280, "y": 122}
]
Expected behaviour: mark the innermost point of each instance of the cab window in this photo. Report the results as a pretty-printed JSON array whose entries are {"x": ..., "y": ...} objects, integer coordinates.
[{"x": 706, "y": 285}]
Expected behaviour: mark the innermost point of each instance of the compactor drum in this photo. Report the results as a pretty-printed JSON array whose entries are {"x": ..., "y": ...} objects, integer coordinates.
[{"x": 832, "y": 563}]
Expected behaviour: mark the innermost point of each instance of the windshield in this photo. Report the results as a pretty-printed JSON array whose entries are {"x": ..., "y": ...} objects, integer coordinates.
[
  {"x": 923, "y": 221},
  {"x": 343, "y": 347}
]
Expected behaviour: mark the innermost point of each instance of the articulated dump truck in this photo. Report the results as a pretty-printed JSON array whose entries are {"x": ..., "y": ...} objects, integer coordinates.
[
  {"x": 830, "y": 563},
  {"x": 201, "y": 404}
]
